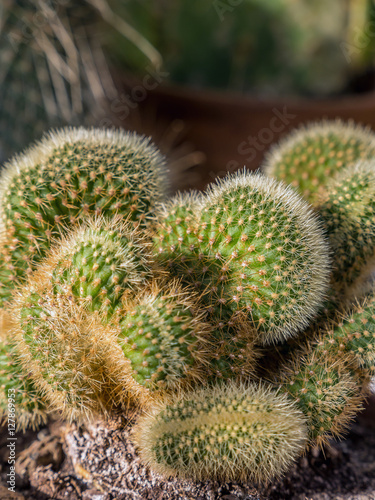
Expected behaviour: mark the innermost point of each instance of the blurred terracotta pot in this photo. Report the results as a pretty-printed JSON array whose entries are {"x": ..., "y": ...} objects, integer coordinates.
[{"x": 226, "y": 131}]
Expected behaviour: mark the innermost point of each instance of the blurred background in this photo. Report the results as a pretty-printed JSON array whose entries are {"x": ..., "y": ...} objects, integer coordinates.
[{"x": 202, "y": 77}]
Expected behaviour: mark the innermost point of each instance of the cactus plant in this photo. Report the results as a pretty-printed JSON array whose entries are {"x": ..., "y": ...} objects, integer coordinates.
[
  {"x": 254, "y": 247},
  {"x": 65, "y": 177},
  {"x": 21, "y": 404},
  {"x": 314, "y": 153},
  {"x": 325, "y": 390},
  {"x": 225, "y": 433},
  {"x": 348, "y": 211},
  {"x": 101, "y": 263},
  {"x": 64, "y": 350},
  {"x": 353, "y": 333},
  {"x": 130, "y": 313},
  {"x": 165, "y": 338}
]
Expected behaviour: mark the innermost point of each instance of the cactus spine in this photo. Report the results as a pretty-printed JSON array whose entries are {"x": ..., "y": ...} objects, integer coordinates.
[
  {"x": 225, "y": 433},
  {"x": 67, "y": 176},
  {"x": 257, "y": 249},
  {"x": 314, "y": 153}
]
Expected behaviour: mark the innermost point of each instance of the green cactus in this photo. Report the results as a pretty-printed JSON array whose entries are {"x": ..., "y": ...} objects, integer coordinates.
[
  {"x": 69, "y": 175},
  {"x": 254, "y": 247},
  {"x": 312, "y": 154},
  {"x": 324, "y": 389},
  {"x": 348, "y": 211},
  {"x": 21, "y": 404},
  {"x": 64, "y": 350},
  {"x": 101, "y": 263},
  {"x": 353, "y": 333},
  {"x": 170, "y": 345},
  {"x": 225, "y": 433},
  {"x": 162, "y": 308},
  {"x": 165, "y": 338}
]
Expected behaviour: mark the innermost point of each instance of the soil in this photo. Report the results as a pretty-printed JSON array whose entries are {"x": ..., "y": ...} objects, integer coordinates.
[{"x": 98, "y": 462}]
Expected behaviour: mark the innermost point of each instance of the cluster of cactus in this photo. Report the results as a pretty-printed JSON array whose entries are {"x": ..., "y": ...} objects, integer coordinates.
[{"x": 237, "y": 324}]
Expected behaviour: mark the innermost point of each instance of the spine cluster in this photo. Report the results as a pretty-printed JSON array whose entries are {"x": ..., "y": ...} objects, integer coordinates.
[{"x": 211, "y": 315}]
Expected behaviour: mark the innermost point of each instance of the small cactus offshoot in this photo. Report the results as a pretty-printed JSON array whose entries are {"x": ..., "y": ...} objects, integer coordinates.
[
  {"x": 314, "y": 153},
  {"x": 225, "y": 433},
  {"x": 165, "y": 338},
  {"x": 70, "y": 174},
  {"x": 353, "y": 333},
  {"x": 64, "y": 350},
  {"x": 324, "y": 389},
  {"x": 101, "y": 263}
]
